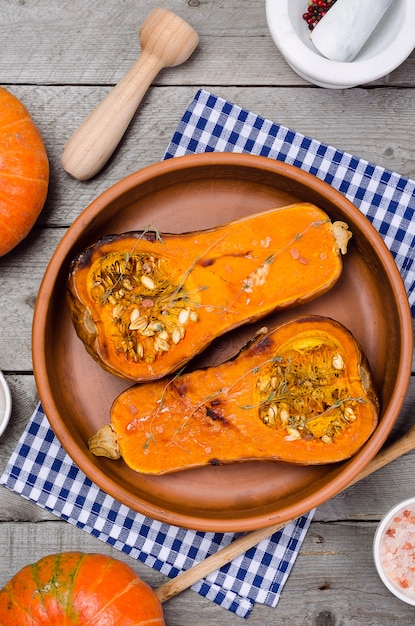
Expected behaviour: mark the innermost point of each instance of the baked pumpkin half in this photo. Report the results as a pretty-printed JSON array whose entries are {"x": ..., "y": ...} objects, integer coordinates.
[
  {"x": 301, "y": 393},
  {"x": 145, "y": 303}
]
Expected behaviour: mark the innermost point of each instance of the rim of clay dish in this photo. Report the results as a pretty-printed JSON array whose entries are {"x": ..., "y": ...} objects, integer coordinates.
[{"x": 156, "y": 173}]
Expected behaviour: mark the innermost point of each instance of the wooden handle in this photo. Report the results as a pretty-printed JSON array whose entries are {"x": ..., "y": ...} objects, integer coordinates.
[
  {"x": 242, "y": 544},
  {"x": 97, "y": 137},
  {"x": 402, "y": 446},
  {"x": 215, "y": 561},
  {"x": 166, "y": 40}
]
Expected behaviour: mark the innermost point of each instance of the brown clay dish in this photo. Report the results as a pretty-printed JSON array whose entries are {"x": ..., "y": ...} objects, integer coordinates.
[{"x": 191, "y": 193}]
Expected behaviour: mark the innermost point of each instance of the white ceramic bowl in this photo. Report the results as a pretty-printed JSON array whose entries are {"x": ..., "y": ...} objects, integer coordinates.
[
  {"x": 388, "y": 46},
  {"x": 5, "y": 404},
  {"x": 396, "y": 531}
]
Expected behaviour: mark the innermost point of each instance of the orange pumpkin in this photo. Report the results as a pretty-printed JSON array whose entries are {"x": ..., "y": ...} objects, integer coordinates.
[
  {"x": 24, "y": 172},
  {"x": 73, "y": 588}
]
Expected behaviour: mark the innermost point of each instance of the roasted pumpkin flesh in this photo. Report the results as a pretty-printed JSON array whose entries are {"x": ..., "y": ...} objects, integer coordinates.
[
  {"x": 145, "y": 303},
  {"x": 302, "y": 393}
]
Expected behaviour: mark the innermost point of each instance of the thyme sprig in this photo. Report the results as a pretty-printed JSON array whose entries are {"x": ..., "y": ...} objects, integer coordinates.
[
  {"x": 127, "y": 257},
  {"x": 225, "y": 390}
]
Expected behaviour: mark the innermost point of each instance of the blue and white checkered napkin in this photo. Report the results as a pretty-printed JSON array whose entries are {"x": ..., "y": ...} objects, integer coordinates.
[
  {"x": 212, "y": 124},
  {"x": 41, "y": 471}
]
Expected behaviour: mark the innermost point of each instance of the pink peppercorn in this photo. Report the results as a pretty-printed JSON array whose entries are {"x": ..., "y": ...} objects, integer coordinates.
[{"x": 316, "y": 10}]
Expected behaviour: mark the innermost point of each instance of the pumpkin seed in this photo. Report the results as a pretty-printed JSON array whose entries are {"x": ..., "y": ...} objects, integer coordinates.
[
  {"x": 184, "y": 315},
  {"x": 147, "y": 282},
  {"x": 117, "y": 311},
  {"x": 157, "y": 327},
  {"x": 139, "y": 323},
  {"x": 263, "y": 383},
  {"x": 135, "y": 314},
  {"x": 176, "y": 336},
  {"x": 126, "y": 283},
  {"x": 161, "y": 345},
  {"x": 272, "y": 413},
  {"x": 349, "y": 414},
  {"x": 337, "y": 361},
  {"x": 293, "y": 434},
  {"x": 284, "y": 416},
  {"x": 147, "y": 332}
]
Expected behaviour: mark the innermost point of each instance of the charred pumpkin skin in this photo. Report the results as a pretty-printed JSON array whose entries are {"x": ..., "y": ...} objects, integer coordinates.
[
  {"x": 144, "y": 304},
  {"x": 301, "y": 393},
  {"x": 72, "y": 589},
  {"x": 24, "y": 172}
]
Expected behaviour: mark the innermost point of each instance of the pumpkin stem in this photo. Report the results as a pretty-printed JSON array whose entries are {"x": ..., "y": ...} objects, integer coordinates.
[
  {"x": 104, "y": 443},
  {"x": 342, "y": 235}
]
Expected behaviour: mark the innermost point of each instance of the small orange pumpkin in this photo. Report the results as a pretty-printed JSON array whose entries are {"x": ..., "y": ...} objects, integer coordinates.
[
  {"x": 24, "y": 172},
  {"x": 73, "y": 588}
]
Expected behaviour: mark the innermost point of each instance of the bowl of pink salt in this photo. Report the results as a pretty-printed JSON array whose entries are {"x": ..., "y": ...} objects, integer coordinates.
[{"x": 394, "y": 550}]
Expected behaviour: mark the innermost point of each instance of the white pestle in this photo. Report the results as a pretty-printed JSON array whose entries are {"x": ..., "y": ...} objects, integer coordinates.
[{"x": 346, "y": 27}]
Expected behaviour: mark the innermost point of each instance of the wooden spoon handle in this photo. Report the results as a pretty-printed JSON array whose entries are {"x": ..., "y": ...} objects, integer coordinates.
[
  {"x": 242, "y": 544},
  {"x": 402, "y": 446},
  {"x": 185, "y": 580}
]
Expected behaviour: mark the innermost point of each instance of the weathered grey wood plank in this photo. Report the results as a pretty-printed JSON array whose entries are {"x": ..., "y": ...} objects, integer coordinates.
[
  {"x": 61, "y": 59},
  {"x": 96, "y": 42},
  {"x": 334, "y": 581},
  {"x": 326, "y": 587},
  {"x": 338, "y": 118}
]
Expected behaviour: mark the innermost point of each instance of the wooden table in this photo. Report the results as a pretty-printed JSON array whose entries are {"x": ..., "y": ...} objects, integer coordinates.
[{"x": 60, "y": 59}]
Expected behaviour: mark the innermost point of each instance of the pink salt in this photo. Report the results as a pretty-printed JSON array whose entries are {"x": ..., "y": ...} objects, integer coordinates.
[{"x": 397, "y": 551}]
